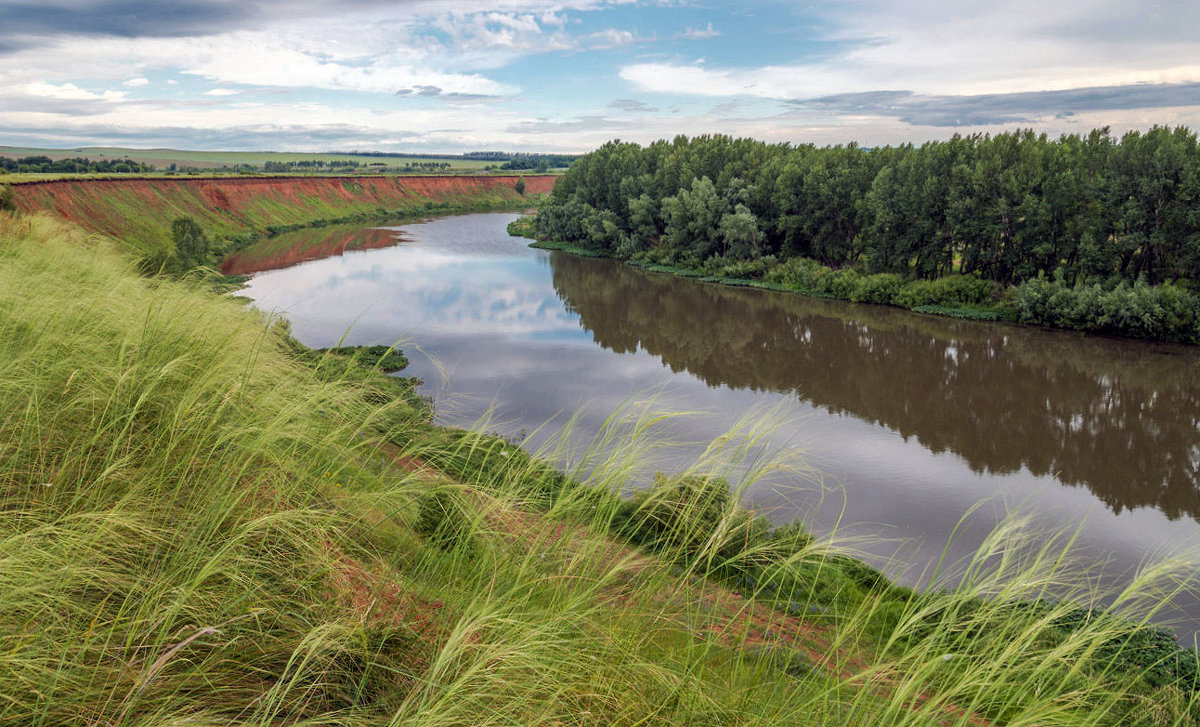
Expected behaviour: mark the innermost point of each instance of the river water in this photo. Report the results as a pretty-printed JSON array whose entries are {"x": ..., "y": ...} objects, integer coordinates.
[{"x": 921, "y": 432}]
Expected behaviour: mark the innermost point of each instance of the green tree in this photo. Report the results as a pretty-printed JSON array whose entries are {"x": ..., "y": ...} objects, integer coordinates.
[
  {"x": 740, "y": 234},
  {"x": 7, "y": 202},
  {"x": 693, "y": 217},
  {"x": 520, "y": 186},
  {"x": 191, "y": 244}
]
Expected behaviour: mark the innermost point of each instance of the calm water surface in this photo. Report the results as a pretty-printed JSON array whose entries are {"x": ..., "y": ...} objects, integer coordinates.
[{"x": 911, "y": 420}]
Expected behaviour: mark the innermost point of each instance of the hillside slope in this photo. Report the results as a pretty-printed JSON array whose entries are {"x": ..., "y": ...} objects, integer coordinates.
[{"x": 140, "y": 211}]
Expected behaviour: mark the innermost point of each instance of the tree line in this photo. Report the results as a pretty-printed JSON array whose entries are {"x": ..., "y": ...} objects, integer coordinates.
[
  {"x": 1078, "y": 209},
  {"x": 78, "y": 165}
]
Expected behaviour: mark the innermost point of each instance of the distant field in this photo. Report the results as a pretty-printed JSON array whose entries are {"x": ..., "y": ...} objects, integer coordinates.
[{"x": 217, "y": 159}]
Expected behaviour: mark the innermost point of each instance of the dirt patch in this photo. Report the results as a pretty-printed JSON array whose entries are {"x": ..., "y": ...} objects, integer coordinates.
[{"x": 216, "y": 198}]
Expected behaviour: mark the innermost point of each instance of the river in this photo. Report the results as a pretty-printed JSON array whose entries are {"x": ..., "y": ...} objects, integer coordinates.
[{"x": 921, "y": 432}]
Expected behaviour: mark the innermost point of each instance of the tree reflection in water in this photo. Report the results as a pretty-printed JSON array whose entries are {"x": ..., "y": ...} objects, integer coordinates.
[{"x": 1120, "y": 417}]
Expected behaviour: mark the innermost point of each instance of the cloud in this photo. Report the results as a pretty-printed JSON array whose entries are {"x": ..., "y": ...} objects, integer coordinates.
[
  {"x": 704, "y": 33},
  {"x": 989, "y": 109},
  {"x": 612, "y": 38},
  {"x": 70, "y": 92},
  {"x": 631, "y": 106},
  {"x": 118, "y": 18},
  {"x": 221, "y": 92},
  {"x": 233, "y": 60},
  {"x": 420, "y": 91},
  {"x": 136, "y": 82},
  {"x": 579, "y": 123}
]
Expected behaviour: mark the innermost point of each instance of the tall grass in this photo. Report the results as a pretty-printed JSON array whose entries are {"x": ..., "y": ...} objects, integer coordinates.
[{"x": 202, "y": 525}]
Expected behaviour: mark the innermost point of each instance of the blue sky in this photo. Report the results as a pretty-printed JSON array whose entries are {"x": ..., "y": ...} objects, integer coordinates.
[{"x": 567, "y": 75}]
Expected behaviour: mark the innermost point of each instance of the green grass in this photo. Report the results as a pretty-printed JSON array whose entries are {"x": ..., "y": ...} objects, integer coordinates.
[
  {"x": 566, "y": 247},
  {"x": 205, "y": 524},
  {"x": 971, "y": 314}
]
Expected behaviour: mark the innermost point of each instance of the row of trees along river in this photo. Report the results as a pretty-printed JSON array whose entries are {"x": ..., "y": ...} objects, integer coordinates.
[{"x": 1091, "y": 232}]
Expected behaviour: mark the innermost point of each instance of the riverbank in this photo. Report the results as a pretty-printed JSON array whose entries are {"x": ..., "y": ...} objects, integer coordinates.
[
  {"x": 209, "y": 524},
  {"x": 235, "y": 211},
  {"x": 1156, "y": 313}
]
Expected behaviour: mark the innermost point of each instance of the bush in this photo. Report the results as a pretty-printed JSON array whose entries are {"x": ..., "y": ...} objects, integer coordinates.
[
  {"x": 880, "y": 288},
  {"x": 444, "y": 519},
  {"x": 952, "y": 290},
  {"x": 842, "y": 284},
  {"x": 753, "y": 269},
  {"x": 800, "y": 274},
  {"x": 1166, "y": 312},
  {"x": 191, "y": 244},
  {"x": 691, "y": 518}
]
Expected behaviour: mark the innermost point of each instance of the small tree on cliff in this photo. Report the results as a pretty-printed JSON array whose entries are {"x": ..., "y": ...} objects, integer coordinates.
[
  {"x": 191, "y": 244},
  {"x": 520, "y": 186},
  {"x": 6, "y": 198}
]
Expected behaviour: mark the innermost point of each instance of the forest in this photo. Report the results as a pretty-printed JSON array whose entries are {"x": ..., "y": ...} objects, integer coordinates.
[{"x": 1093, "y": 232}]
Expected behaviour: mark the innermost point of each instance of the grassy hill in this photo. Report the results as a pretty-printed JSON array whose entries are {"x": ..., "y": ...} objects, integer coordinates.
[
  {"x": 140, "y": 212},
  {"x": 206, "y": 524}
]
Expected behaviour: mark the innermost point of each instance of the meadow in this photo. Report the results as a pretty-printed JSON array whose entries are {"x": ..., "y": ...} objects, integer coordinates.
[{"x": 206, "y": 523}]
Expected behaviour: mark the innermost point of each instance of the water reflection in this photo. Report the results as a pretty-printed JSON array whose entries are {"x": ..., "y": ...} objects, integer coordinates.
[
  {"x": 912, "y": 420},
  {"x": 1121, "y": 417},
  {"x": 309, "y": 244}
]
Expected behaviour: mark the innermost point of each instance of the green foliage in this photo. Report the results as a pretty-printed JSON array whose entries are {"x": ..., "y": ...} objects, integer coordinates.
[
  {"x": 7, "y": 203},
  {"x": 693, "y": 220},
  {"x": 1004, "y": 208},
  {"x": 689, "y": 518},
  {"x": 880, "y": 288},
  {"x": 191, "y": 244},
  {"x": 520, "y": 186},
  {"x": 387, "y": 359},
  {"x": 950, "y": 290},
  {"x": 445, "y": 519},
  {"x": 567, "y": 247},
  {"x": 41, "y": 164},
  {"x": 970, "y": 314},
  {"x": 1167, "y": 312}
]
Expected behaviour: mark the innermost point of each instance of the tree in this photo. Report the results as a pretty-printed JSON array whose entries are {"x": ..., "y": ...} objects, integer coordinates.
[
  {"x": 520, "y": 187},
  {"x": 6, "y": 198},
  {"x": 191, "y": 244},
  {"x": 740, "y": 234},
  {"x": 693, "y": 217}
]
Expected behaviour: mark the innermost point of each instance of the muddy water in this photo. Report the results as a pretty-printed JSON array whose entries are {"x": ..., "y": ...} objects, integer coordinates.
[{"x": 912, "y": 422}]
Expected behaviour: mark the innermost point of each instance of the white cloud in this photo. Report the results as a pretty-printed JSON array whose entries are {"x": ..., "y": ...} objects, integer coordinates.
[
  {"x": 136, "y": 82},
  {"x": 221, "y": 92},
  {"x": 69, "y": 92},
  {"x": 609, "y": 38},
  {"x": 700, "y": 33},
  {"x": 977, "y": 47}
]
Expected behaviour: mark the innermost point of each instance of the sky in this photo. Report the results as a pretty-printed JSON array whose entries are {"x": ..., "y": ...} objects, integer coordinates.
[{"x": 568, "y": 75}]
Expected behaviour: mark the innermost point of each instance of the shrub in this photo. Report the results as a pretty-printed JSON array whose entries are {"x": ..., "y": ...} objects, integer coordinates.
[
  {"x": 842, "y": 284},
  {"x": 1167, "y": 312},
  {"x": 191, "y": 244},
  {"x": 753, "y": 269},
  {"x": 880, "y": 288},
  {"x": 444, "y": 519},
  {"x": 950, "y": 290},
  {"x": 800, "y": 274},
  {"x": 691, "y": 518}
]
